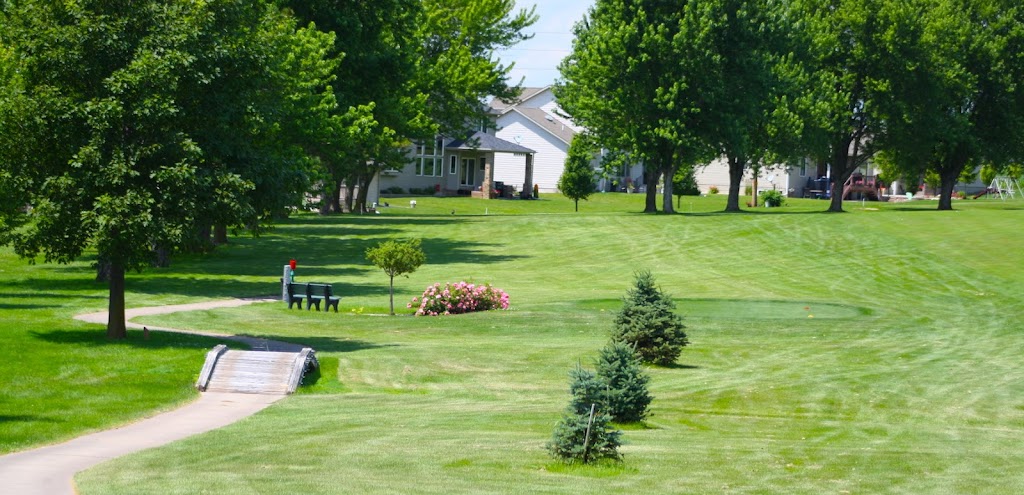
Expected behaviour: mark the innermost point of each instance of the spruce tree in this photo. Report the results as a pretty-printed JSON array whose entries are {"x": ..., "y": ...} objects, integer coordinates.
[
  {"x": 577, "y": 437},
  {"x": 586, "y": 388},
  {"x": 570, "y": 442},
  {"x": 649, "y": 324},
  {"x": 625, "y": 394}
]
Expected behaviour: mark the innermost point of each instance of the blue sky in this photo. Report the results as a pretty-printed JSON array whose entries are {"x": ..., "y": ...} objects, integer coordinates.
[{"x": 537, "y": 59}]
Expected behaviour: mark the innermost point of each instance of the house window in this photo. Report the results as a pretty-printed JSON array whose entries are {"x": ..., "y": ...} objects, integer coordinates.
[
  {"x": 454, "y": 167},
  {"x": 803, "y": 168},
  {"x": 428, "y": 160}
]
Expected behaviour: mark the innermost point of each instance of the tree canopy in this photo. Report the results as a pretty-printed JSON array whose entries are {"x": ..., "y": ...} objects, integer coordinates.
[
  {"x": 409, "y": 70},
  {"x": 962, "y": 106},
  {"x": 145, "y": 120}
]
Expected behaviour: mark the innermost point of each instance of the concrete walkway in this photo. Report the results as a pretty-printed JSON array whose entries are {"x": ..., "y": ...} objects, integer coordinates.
[{"x": 49, "y": 470}]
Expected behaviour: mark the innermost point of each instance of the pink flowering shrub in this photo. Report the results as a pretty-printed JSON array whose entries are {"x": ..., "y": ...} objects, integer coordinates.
[{"x": 453, "y": 299}]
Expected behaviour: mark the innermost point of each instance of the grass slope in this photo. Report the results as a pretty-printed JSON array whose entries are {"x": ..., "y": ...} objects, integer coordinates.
[{"x": 871, "y": 352}]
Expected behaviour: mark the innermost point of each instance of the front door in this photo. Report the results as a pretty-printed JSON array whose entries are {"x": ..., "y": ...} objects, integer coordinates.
[{"x": 467, "y": 176}]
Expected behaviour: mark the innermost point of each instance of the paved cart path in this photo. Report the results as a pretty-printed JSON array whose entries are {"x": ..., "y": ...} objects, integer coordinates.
[{"x": 49, "y": 470}]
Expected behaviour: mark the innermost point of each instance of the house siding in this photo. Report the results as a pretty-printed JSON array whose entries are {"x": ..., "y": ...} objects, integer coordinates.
[{"x": 549, "y": 161}]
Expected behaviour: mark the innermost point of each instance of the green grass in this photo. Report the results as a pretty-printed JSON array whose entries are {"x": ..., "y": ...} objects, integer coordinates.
[{"x": 871, "y": 352}]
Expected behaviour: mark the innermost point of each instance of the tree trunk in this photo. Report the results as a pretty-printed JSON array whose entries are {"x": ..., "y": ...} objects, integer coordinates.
[
  {"x": 651, "y": 204},
  {"x": 364, "y": 190},
  {"x": 391, "y": 294},
  {"x": 753, "y": 191},
  {"x": 946, "y": 192},
  {"x": 116, "y": 328},
  {"x": 950, "y": 172},
  {"x": 336, "y": 206},
  {"x": 736, "y": 166},
  {"x": 350, "y": 191},
  {"x": 220, "y": 234},
  {"x": 202, "y": 241},
  {"x": 577, "y": 206},
  {"x": 666, "y": 198},
  {"x": 102, "y": 271},
  {"x": 162, "y": 256},
  {"x": 325, "y": 198},
  {"x": 842, "y": 169}
]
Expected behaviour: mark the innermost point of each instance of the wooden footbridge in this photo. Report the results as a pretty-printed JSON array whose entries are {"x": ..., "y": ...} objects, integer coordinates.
[{"x": 255, "y": 372}]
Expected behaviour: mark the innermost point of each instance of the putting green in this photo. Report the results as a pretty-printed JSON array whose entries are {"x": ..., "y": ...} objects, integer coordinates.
[{"x": 747, "y": 309}]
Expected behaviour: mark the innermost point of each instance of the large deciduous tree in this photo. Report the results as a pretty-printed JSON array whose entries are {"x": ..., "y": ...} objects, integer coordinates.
[
  {"x": 456, "y": 40},
  {"x": 136, "y": 126},
  {"x": 731, "y": 53},
  {"x": 614, "y": 82},
  {"x": 410, "y": 69},
  {"x": 852, "y": 54},
  {"x": 963, "y": 106}
]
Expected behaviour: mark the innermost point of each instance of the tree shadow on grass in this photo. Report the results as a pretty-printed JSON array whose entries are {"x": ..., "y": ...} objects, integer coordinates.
[
  {"x": 677, "y": 366},
  {"x": 767, "y": 211},
  {"x": 57, "y": 289},
  {"x": 328, "y": 344},
  {"x": 163, "y": 340},
  {"x": 15, "y": 307},
  {"x": 27, "y": 418},
  {"x": 96, "y": 337}
]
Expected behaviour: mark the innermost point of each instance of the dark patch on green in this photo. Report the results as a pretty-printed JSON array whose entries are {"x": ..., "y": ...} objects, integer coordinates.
[{"x": 747, "y": 309}]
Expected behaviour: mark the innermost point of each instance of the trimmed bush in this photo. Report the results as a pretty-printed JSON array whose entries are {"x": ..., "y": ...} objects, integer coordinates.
[
  {"x": 452, "y": 299},
  {"x": 773, "y": 198},
  {"x": 648, "y": 323},
  {"x": 625, "y": 384}
]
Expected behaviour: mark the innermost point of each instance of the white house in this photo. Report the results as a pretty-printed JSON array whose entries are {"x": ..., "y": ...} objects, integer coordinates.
[{"x": 536, "y": 122}]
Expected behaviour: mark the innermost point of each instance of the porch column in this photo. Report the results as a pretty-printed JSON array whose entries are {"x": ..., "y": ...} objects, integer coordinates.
[
  {"x": 487, "y": 188},
  {"x": 528, "y": 186}
]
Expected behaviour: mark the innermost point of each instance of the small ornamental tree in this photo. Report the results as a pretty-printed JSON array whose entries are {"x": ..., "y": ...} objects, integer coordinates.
[
  {"x": 577, "y": 180},
  {"x": 649, "y": 324},
  {"x": 625, "y": 394},
  {"x": 396, "y": 258},
  {"x": 584, "y": 434}
]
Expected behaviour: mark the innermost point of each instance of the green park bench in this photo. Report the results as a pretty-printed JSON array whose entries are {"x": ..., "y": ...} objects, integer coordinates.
[{"x": 321, "y": 292}]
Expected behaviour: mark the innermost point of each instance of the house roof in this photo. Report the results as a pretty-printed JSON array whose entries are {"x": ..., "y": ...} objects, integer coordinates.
[
  {"x": 486, "y": 142},
  {"x": 502, "y": 106},
  {"x": 549, "y": 123}
]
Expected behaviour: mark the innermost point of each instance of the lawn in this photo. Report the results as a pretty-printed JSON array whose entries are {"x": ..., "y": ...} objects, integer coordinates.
[{"x": 870, "y": 352}]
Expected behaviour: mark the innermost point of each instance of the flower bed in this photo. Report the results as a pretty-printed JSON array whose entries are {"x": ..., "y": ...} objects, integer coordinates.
[{"x": 453, "y": 299}]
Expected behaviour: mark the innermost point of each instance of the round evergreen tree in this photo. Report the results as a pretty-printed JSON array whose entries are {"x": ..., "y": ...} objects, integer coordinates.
[
  {"x": 571, "y": 443},
  {"x": 625, "y": 396},
  {"x": 649, "y": 324},
  {"x": 577, "y": 437},
  {"x": 586, "y": 388}
]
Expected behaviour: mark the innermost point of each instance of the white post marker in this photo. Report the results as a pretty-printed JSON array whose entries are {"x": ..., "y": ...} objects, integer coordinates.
[{"x": 285, "y": 280}]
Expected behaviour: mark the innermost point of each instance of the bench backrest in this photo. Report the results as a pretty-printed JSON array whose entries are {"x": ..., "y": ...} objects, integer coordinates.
[
  {"x": 319, "y": 290},
  {"x": 294, "y": 288}
]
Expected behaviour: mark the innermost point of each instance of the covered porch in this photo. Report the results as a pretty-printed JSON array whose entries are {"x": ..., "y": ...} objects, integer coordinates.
[{"x": 470, "y": 167}]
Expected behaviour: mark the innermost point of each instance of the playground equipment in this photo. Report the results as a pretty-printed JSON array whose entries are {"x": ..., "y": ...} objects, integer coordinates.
[{"x": 1005, "y": 187}]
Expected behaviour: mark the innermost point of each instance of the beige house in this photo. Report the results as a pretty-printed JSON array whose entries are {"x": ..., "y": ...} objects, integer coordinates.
[{"x": 458, "y": 167}]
